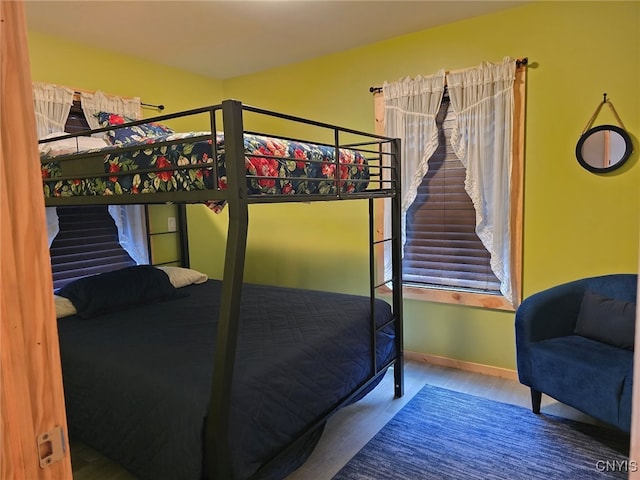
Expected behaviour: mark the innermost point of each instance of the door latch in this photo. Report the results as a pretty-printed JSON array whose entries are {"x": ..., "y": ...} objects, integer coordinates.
[{"x": 51, "y": 446}]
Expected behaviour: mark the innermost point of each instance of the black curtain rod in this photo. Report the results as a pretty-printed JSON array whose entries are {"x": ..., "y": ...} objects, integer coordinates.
[
  {"x": 519, "y": 63},
  {"x": 157, "y": 107}
]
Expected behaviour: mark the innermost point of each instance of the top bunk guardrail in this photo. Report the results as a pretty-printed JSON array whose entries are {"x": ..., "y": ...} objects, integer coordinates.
[{"x": 147, "y": 161}]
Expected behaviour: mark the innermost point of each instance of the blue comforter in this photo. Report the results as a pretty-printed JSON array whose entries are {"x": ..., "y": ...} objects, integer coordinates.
[{"x": 137, "y": 382}]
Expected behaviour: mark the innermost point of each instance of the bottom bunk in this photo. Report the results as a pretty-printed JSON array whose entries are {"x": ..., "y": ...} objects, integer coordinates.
[{"x": 138, "y": 357}]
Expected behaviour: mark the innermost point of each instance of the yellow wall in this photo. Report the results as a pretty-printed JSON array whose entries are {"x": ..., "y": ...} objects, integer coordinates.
[
  {"x": 576, "y": 223},
  {"x": 59, "y": 61},
  {"x": 55, "y": 60}
]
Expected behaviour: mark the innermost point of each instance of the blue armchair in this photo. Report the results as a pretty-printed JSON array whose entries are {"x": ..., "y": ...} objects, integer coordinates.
[{"x": 574, "y": 342}]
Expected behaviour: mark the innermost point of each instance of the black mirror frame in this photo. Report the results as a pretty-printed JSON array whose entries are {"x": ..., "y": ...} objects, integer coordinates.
[{"x": 619, "y": 163}]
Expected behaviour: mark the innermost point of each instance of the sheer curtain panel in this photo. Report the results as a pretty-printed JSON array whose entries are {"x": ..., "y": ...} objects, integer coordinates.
[
  {"x": 51, "y": 104},
  {"x": 483, "y": 100},
  {"x": 410, "y": 108},
  {"x": 130, "y": 219},
  {"x": 93, "y": 103}
]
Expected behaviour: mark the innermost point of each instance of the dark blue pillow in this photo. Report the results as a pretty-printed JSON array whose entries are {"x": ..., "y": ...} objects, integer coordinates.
[
  {"x": 133, "y": 134},
  {"x": 119, "y": 289},
  {"x": 607, "y": 320}
]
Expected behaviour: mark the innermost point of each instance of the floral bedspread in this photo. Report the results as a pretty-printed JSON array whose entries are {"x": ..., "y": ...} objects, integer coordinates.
[{"x": 274, "y": 166}]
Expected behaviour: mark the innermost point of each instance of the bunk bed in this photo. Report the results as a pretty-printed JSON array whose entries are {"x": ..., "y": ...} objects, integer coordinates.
[{"x": 222, "y": 379}]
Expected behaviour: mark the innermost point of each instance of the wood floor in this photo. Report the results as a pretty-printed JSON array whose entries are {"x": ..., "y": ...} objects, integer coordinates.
[{"x": 352, "y": 427}]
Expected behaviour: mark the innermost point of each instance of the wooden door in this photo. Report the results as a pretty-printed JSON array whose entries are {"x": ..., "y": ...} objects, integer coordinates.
[{"x": 31, "y": 395}]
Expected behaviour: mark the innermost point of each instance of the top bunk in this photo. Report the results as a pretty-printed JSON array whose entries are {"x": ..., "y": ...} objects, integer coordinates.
[{"x": 146, "y": 161}]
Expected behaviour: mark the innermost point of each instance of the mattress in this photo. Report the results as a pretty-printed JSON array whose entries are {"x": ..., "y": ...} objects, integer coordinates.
[
  {"x": 137, "y": 381},
  {"x": 274, "y": 166}
]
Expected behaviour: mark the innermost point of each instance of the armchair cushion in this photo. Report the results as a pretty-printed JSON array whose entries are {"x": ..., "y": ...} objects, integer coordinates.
[
  {"x": 585, "y": 374},
  {"x": 607, "y": 320}
]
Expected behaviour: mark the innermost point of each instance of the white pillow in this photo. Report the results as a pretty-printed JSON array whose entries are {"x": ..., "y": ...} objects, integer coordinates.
[
  {"x": 64, "y": 307},
  {"x": 181, "y": 277},
  {"x": 70, "y": 145}
]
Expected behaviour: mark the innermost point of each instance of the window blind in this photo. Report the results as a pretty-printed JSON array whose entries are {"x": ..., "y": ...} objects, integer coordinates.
[
  {"x": 442, "y": 248},
  {"x": 76, "y": 121},
  {"x": 87, "y": 244}
]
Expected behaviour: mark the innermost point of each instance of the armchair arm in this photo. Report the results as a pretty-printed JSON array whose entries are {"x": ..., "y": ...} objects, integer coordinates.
[
  {"x": 549, "y": 313},
  {"x": 546, "y": 314}
]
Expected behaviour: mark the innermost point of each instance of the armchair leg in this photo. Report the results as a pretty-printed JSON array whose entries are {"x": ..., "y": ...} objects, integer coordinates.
[{"x": 536, "y": 398}]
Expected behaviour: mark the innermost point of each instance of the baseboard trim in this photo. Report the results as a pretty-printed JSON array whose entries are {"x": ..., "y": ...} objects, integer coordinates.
[{"x": 462, "y": 365}]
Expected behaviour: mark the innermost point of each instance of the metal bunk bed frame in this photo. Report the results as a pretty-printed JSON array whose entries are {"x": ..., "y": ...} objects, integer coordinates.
[{"x": 237, "y": 197}]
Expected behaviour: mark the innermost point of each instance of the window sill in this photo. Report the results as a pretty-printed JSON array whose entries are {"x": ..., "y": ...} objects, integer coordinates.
[{"x": 454, "y": 297}]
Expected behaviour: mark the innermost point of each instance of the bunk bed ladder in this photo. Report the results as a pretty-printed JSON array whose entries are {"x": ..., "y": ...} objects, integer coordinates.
[
  {"x": 392, "y": 172},
  {"x": 396, "y": 259},
  {"x": 182, "y": 235}
]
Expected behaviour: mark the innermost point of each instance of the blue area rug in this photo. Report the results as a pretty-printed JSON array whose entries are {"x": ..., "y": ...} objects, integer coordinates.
[{"x": 441, "y": 434}]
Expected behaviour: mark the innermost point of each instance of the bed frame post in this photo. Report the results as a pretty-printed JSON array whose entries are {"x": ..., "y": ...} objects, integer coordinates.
[
  {"x": 217, "y": 426},
  {"x": 184, "y": 237},
  {"x": 396, "y": 262}
]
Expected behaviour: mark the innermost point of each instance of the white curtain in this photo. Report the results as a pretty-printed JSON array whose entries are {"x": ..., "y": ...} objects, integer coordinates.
[
  {"x": 132, "y": 230},
  {"x": 52, "y": 104},
  {"x": 482, "y": 98},
  {"x": 96, "y": 102},
  {"x": 411, "y": 106},
  {"x": 130, "y": 219}
]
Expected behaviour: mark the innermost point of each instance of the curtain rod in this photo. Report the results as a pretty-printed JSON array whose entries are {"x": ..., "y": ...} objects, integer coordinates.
[
  {"x": 160, "y": 107},
  {"x": 520, "y": 62}
]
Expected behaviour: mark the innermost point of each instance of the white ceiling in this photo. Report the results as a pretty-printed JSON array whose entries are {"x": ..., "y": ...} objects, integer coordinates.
[{"x": 224, "y": 39}]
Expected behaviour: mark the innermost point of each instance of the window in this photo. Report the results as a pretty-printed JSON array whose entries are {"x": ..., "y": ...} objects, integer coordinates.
[
  {"x": 442, "y": 249},
  {"x": 436, "y": 266},
  {"x": 87, "y": 244}
]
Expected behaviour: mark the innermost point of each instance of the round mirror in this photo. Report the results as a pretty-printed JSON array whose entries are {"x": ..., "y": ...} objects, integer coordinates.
[{"x": 603, "y": 148}]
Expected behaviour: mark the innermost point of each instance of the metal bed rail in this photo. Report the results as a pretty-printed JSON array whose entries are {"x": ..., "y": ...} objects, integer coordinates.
[{"x": 88, "y": 165}]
